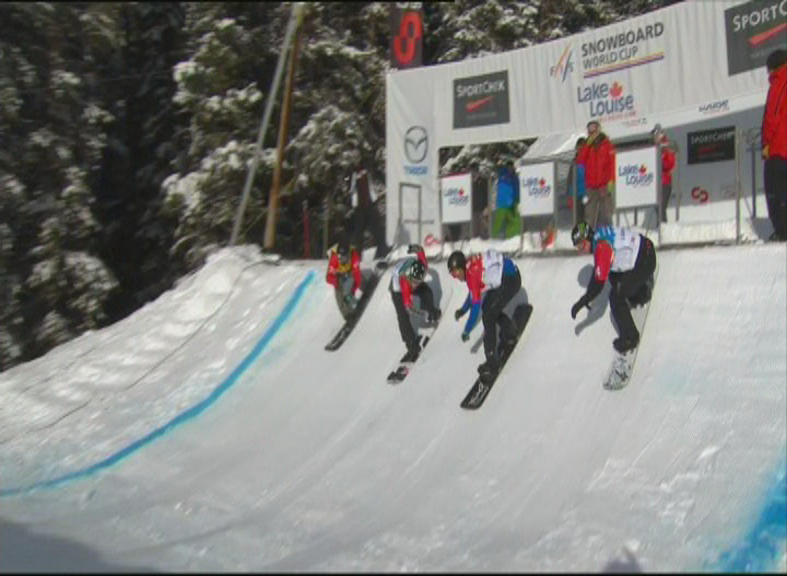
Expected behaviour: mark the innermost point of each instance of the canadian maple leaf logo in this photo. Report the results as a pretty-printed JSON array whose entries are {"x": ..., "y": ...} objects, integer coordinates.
[
  {"x": 643, "y": 169},
  {"x": 461, "y": 191},
  {"x": 542, "y": 182},
  {"x": 616, "y": 90}
]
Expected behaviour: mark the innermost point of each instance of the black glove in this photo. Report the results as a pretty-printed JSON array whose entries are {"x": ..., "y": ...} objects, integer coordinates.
[
  {"x": 414, "y": 248},
  {"x": 465, "y": 336},
  {"x": 459, "y": 313},
  {"x": 434, "y": 315},
  {"x": 578, "y": 306}
]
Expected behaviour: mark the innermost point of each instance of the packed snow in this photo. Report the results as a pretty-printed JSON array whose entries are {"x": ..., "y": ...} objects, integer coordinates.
[{"x": 211, "y": 431}]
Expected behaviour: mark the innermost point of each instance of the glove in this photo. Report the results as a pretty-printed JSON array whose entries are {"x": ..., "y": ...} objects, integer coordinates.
[
  {"x": 459, "y": 313},
  {"x": 578, "y": 306},
  {"x": 433, "y": 315},
  {"x": 465, "y": 336},
  {"x": 413, "y": 249}
]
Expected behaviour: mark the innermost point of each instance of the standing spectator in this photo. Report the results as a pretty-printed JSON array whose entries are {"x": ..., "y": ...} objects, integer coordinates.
[
  {"x": 667, "y": 165},
  {"x": 480, "y": 205},
  {"x": 774, "y": 143},
  {"x": 363, "y": 200},
  {"x": 598, "y": 158},
  {"x": 576, "y": 182},
  {"x": 507, "y": 209}
]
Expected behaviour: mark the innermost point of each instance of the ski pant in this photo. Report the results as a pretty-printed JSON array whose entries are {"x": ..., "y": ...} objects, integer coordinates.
[
  {"x": 343, "y": 293},
  {"x": 492, "y": 314},
  {"x": 625, "y": 285},
  {"x": 775, "y": 176},
  {"x": 666, "y": 192},
  {"x": 424, "y": 293},
  {"x": 599, "y": 208},
  {"x": 369, "y": 215}
]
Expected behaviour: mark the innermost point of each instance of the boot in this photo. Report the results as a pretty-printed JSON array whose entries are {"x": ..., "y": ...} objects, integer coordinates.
[
  {"x": 490, "y": 367},
  {"x": 625, "y": 344}
]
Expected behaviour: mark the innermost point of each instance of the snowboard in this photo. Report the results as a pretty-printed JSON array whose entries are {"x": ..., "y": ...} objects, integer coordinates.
[
  {"x": 399, "y": 373},
  {"x": 619, "y": 373},
  {"x": 480, "y": 389},
  {"x": 350, "y": 323}
]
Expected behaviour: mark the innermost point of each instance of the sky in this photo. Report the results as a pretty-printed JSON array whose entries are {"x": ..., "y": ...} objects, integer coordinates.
[{"x": 211, "y": 431}]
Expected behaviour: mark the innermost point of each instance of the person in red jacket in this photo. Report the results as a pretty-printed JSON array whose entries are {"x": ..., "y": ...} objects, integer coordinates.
[
  {"x": 598, "y": 157},
  {"x": 667, "y": 165},
  {"x": 774, "y": 143},
  {"x": 344, "y": 274},
  {"x": 492, "y": 281}
]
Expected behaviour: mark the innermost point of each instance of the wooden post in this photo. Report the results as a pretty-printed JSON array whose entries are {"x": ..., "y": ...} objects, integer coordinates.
[{"x": 273, "y": 197}]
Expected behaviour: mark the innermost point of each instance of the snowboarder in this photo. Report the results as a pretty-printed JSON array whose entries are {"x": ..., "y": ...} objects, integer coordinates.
[
  {"x": 492, "y": 281},
  {"x": 407, "y": 279},
  {"x": 344, "y": 274},
  {"x": 628, "y": 259}
]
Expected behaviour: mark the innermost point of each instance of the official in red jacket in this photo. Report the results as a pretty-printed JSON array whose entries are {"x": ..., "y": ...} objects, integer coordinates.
[
  {"x": 344, "y": 274},
  {"x": 598, "y": 158},
  {"x": 774, "y": 143},
  {"x": 667, "y": 165}
]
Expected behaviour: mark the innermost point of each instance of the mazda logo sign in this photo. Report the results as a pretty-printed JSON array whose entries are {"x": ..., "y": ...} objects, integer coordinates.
[{"x": 416, "y": 144}]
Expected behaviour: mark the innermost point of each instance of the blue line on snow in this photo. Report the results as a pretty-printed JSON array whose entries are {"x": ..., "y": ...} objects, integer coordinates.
[
  {"x": 192, "y": 412},
  {"x": 761, "y": 549}
]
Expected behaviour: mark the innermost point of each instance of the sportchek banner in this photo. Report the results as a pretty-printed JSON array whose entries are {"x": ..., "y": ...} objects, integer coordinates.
[
  {"x": 754, "y": 30},
  {"x": 637, "y": 177},
  {"x": 457, "y": 193},
  {"x": 679, "y": 58},
  {"x": 536, "y": 189}
]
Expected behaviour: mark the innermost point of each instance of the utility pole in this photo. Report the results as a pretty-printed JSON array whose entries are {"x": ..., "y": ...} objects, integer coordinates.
[
  {"x": 273, "y": 197},
  {"x": 295, "y": 19}
]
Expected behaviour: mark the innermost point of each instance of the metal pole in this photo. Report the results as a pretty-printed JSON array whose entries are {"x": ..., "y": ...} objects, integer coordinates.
[
  {"x": 273, "y": 198},
  {"x": 295, "y": 16},
  {"x": 737, "y": 186}
]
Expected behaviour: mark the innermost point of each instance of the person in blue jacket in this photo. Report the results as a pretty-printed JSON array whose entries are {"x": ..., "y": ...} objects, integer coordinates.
[{"x": 507, "y": 206}]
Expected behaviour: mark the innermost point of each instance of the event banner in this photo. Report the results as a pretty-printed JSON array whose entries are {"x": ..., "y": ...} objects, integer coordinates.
[
  {"x": 457, "y": 194},
  {"x": 637, "y": 177},
  {"x": 407, "y": 32},
  {"x": 714, "y": 145},
  {"x": 754, "y": 30},
  {"x": 537, "y": 189}
]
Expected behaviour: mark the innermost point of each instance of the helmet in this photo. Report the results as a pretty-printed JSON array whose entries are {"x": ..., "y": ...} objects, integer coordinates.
[
  {"x": 457, "y": 260},
  {"x": 581, "y": 231},
  {"x": 417, "y": 271}
]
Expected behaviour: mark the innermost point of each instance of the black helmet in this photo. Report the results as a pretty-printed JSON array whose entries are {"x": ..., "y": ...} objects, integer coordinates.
[
  {"x": 456, "y": 260},
  {"x": 417, "y": 271},
  {"x": 581, "y": 231}
]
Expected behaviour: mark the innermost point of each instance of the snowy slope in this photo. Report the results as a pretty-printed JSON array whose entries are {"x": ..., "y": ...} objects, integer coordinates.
[{"x": 211, "y": 431}]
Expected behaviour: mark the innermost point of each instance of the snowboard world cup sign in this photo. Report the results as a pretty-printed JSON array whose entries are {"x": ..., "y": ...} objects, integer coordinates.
[{"x": 407, "y": 32}]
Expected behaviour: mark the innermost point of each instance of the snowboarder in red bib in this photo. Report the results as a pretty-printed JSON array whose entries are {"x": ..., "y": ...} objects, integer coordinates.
[
  {"x": 628, "y": 259},
  {"x": 344, "y": 274},
  {"x": 407, "y": 280},
  {"x": 492, "y": 281}
]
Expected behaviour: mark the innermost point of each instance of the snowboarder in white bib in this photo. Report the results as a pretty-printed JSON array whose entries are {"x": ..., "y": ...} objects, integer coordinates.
[
  {"x": 492, "y": 281},
  {"x": 628, "y": 259}
]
